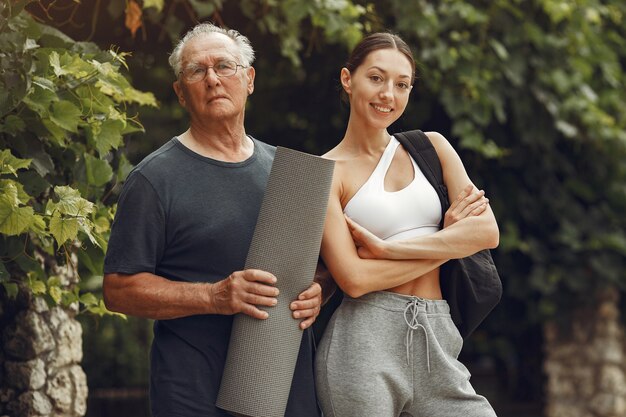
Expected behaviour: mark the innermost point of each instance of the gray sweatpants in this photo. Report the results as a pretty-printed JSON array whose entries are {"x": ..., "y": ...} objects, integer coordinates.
[{"x": 388, "y": 355}]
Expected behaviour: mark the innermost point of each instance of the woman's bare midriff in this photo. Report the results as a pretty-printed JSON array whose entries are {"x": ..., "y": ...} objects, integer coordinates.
[{"x": 427, "y": 286}]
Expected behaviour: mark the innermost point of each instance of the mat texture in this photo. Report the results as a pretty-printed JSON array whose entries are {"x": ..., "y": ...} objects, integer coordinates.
[{"x": 262, "y": 353}]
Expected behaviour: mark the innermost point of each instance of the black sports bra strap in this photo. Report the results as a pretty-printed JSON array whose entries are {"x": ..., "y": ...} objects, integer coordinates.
[{"x": 425, "y": 155}]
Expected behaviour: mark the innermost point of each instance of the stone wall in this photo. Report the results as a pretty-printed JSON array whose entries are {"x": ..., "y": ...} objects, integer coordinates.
[
  {"x": 584, "y": 362},
  {"x": 41, "y": 351}
]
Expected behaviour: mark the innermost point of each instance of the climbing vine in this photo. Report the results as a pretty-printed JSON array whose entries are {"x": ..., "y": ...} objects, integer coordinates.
[{"x": 65, "y": 107}]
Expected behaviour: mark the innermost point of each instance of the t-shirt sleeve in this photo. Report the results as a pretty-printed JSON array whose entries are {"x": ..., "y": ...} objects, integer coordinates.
[{"x": 138, "y": 231}]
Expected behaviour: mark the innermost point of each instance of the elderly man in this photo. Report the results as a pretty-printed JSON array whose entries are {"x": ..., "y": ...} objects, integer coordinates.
[{"x": 181, "y": 234}]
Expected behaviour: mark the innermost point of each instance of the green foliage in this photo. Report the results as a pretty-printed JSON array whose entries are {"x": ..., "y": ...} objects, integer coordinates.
[
  {"x": 116, "y": 351},
  {"x": 288, "y": 21},
  {"x": 531, "y": 93},
  {"x": 338, "y": 20},
  {"x": 63, "y": 113},
  {"x": 537, "y": 90}
]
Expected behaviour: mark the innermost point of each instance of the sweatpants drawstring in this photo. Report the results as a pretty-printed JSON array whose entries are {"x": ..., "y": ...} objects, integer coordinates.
[{"x": 410, "y": 317}]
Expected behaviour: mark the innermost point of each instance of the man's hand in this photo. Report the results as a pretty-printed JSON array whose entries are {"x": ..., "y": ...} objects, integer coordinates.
[
  {"x": 243, "y": 291},
  {"x": 307, "y": 306},
  {"x": 470, "y": 202}
]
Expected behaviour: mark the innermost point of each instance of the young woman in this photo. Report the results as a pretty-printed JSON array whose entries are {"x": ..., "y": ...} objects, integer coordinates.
[{"x": 391, "y": 347}]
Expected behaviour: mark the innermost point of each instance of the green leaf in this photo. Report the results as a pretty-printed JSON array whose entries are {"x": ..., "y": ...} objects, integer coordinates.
[
  {"x": 59, "y": 135},
  {"x": 97, "y": 103},
  {"x": 66, "y": 115},
  {"x": 44, "y": 83},
  {"x": 9, "y": 189},
  {"x": 102, "y": 242},
  {"x": 56, "y": 293},
  {"x": 123, "y": 168},
  {"x": 37, "y": 287},
  {"x": 41, "y": 160},
  {"x": 38, "y": 226},
  {"x": 53, "y": 281},
  {"x": 203, "y": 8},
  {"x": 31, "y": 266},
  {"x": 113, "y": 87},
  {"x": 85, "y": 258},
  {"x": 158, "y": 4},
  {"x": 568, "y": 129},
  {"x": 15, "y": 191},
  {"x": 9, "y": 164},
  {"x": 55, "y": 63},
  {"x": 88, "y": 299},
  {"x": 63, "y": 228},
  {"x": 50, "y": 37},
  {"x": 133, "y": 126},
  {"x": 72, "y": 65},
  {"x": 99, "y": 172},
  {"x": 71, "y": 203},
  {"x": 66, "y": 194},
  {"x": 84, "y": 208},
  {"x": 70, "y": 296},
  {"x": 102, "y": 224},
  {"x": 12, "y": 125},
  {"x": 11, "y": 288},
  {"x": 39, "y": 100},
  {"x": 87, "y": 227},
  {"x": 101, "y": 310},
  {"x": 106, "y": 135},
  {"x": 499, "y": 49},
  {"x": 14, "y": 220},
  {"x": 139, "y": 97}
]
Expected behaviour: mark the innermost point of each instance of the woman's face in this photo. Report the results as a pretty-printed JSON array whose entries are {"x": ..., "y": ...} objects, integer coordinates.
[{"x": 379, "y": 88}]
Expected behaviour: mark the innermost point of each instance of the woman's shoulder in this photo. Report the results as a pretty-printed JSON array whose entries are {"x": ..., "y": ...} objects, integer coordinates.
[
  {"x": 436, "y": 138},
  {"x": 440, "y": 143},
  {"x": 343, "y": 160},
  {"x": 344, "y": 165},
  {"x": 336, "y": 154}
]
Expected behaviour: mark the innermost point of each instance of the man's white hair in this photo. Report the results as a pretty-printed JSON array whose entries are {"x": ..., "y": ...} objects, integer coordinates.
[{"x": 246, "y": 53}]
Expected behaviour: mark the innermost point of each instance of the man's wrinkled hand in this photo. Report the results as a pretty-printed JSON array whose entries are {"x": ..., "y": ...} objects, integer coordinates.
[
  {"x": 243, "y": 291},
  {"x": 307, "y": 306}
]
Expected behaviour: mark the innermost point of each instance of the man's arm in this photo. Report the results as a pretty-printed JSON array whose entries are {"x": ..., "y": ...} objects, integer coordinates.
[{"x": 151, "y": 296}]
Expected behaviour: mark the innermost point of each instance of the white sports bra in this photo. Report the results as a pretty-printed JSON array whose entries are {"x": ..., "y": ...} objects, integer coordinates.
[{"x": 410, "y": 212}]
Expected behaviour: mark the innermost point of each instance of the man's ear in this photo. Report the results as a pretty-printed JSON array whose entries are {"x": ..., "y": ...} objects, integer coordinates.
[
  {"x": 179, "y": 93},
  {"x": 250, "y": 74},
  {"x": 346, "y": 80}
]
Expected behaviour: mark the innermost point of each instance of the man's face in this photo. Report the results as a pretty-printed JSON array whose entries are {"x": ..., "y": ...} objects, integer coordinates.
[{"x": 213, "y": 98}]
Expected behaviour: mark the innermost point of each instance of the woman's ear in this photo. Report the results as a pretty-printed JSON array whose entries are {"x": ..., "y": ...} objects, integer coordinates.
[{"x": 346, "y": 80}]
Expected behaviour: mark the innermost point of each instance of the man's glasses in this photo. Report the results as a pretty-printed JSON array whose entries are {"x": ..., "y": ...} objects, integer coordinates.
[{"x": 194, "y": 73}]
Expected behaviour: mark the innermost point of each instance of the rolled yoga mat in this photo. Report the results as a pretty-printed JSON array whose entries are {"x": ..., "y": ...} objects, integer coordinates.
[{"x": 262, "y": 353}]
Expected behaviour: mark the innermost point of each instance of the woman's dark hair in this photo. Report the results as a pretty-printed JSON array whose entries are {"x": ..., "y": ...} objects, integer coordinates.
[{"x": 376, "y": 41}]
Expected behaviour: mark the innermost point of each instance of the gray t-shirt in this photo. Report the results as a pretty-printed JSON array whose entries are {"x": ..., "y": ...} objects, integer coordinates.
[{"x": 190, "y": 218}]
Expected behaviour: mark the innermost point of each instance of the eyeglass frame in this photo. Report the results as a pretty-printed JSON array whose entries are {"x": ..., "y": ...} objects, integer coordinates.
[{"x": 207, "y": 68}]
